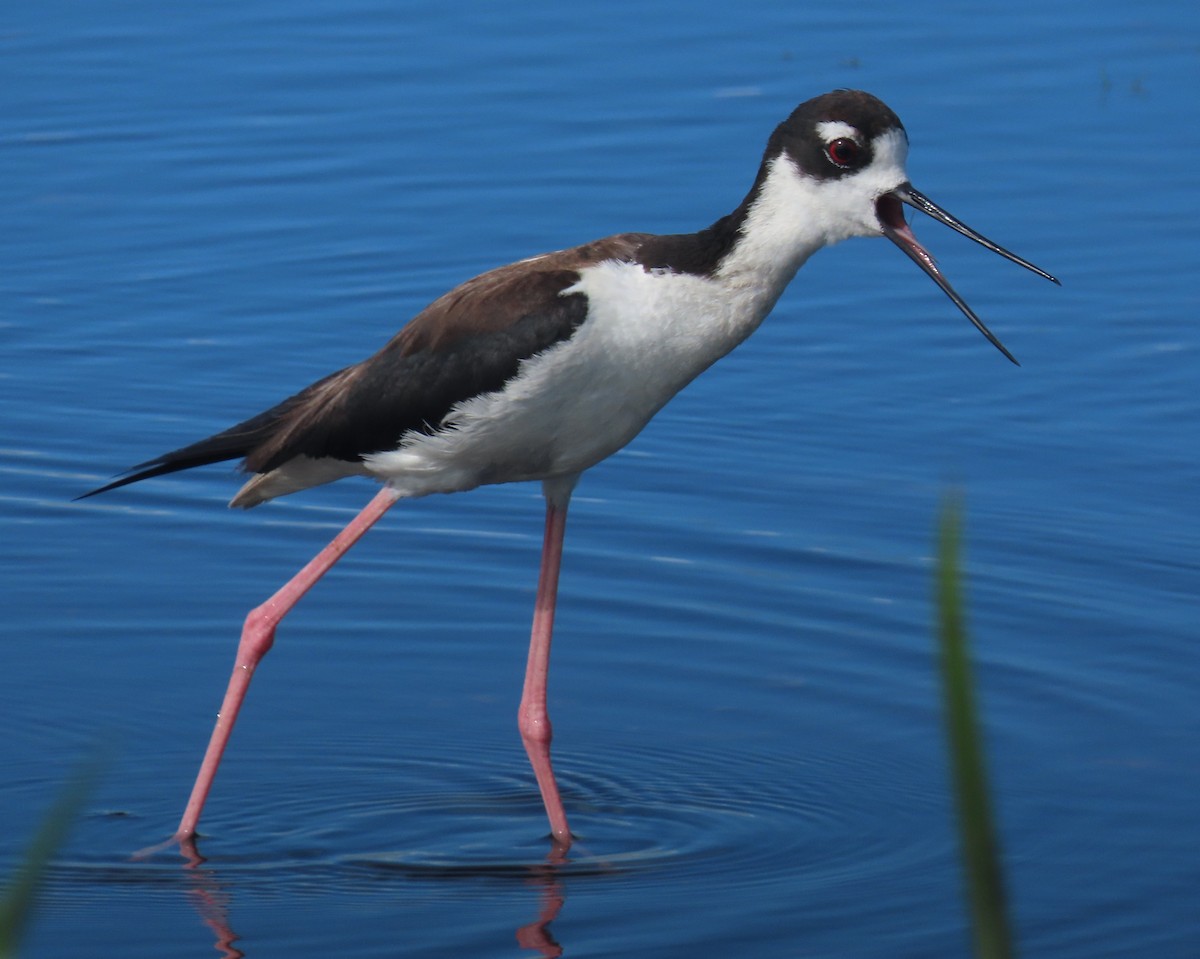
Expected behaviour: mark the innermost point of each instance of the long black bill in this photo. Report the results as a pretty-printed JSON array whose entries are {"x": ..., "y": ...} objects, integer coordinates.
[{"x": 891, "y": 219}]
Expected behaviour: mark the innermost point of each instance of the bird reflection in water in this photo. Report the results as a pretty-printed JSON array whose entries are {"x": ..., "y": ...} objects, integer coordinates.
[{"x": 213, "y": 899}]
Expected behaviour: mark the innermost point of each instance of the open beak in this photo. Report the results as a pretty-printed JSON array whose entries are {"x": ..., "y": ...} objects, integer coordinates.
[{"x": 891, "y": 219}]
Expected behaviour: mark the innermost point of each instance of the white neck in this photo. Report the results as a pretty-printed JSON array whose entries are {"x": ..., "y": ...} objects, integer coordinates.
[{"x": 778, "y": 234}]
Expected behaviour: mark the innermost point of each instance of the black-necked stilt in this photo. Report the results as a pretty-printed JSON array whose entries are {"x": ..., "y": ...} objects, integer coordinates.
[{"x": 540, "y": 369}]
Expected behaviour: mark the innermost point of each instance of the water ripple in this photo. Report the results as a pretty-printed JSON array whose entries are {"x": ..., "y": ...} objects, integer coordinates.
[{"x": 713, "y": 815}]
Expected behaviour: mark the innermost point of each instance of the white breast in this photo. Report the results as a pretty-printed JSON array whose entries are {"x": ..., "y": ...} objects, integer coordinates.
[{"x": 647, "y": 335}]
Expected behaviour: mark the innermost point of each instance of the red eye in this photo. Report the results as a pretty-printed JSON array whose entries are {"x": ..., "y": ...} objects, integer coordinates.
[{"x": 843, "y": 151}]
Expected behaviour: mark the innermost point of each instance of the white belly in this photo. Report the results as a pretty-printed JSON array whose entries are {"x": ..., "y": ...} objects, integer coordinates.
[{"x": 647, "y": 336}]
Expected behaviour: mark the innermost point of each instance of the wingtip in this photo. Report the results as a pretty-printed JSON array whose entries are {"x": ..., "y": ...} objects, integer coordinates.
[
  {"x": 135, "y": 474},
  {"x": 115, "y": 484}
]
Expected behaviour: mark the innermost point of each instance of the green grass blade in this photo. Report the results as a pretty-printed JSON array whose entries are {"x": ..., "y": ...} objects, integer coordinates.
[
  {"x": 981, "y": 859},
  {"x": 16, "y": 906}
]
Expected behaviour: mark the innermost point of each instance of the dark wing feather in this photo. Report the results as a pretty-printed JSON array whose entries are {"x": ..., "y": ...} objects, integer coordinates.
[
  {"x": 233, "y": 443},
  {"x": 468, "y": 342},
  {"x": 421, "y": 375}
]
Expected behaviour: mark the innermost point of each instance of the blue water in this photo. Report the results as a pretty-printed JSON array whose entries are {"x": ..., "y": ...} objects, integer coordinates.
[{"x": 207, "y": 206}]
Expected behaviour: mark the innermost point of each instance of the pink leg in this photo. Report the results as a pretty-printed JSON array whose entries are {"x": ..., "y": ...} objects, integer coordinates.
[
  {"x": 532, "y": 717},
  {"x": 257, "y": 636}
]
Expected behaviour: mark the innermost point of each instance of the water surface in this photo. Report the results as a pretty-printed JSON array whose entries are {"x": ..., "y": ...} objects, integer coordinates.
[{"x": 208, "y": 207}]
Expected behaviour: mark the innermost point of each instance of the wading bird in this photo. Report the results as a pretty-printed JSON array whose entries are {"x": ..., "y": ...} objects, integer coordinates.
[{"x": 541, "y": 369}]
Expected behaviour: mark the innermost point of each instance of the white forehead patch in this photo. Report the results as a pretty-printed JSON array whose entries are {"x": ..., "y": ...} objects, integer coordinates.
[
  {"x": 891, "y": 149},
  {"x": 830, "y": 130}
]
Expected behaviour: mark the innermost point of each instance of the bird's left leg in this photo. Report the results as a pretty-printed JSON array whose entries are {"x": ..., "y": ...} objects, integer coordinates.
[{"x": 257, "y": 636}]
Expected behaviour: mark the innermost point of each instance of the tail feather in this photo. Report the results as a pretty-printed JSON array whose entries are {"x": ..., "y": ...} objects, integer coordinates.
[
  {"x": 237, "y": 442},
  {"x": 260, "y": 435}
]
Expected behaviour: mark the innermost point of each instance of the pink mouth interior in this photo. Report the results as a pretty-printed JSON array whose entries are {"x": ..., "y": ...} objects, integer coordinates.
[{"x": 890, "y": 212}]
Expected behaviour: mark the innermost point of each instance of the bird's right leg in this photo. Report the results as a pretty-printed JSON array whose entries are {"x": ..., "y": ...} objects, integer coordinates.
[
  {"x": 257, "y": 636},
  {"x": 533, "y": 717}
]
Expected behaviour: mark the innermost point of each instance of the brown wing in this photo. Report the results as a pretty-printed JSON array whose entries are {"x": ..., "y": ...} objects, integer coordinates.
[{"x": 468, "y": 342}]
